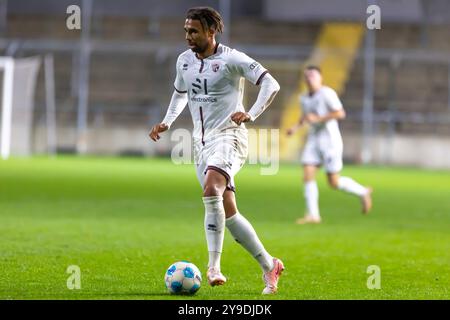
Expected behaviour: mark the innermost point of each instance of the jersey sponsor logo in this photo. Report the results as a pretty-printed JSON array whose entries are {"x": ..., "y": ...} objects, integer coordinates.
[
  {"x": 204, "y": 99},
  {"x": 215, "y": 67},
  {"x": 198, "y": 86},
  {"x": 185, "y": 66}
]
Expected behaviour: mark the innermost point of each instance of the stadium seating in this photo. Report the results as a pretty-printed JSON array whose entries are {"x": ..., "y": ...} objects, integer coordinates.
[{"x": 121, "y": 81}]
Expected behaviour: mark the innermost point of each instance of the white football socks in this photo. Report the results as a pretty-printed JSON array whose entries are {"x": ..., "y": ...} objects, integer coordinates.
[
  {"x": 214, "y": 228},
  {"x": 312, "y": 199},
  {"x": 351, "y": 186},
  {"x": 243, "y": 232}
]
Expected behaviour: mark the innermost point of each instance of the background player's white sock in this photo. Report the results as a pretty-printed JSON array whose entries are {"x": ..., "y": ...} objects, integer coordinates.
[
  {"x": 243, "y": 232},
  {"x": 351, "y": 186},
  {"x": 312, "y": 199},
  {"x": 214, "y": 228}
]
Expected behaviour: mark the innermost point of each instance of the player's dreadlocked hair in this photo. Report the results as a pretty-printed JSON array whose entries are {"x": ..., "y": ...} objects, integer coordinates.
[{"x": 208, "y": 17}]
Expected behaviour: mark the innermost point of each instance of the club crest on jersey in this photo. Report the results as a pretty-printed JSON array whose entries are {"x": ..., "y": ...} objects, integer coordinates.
[{"x": 215, "y": 67}]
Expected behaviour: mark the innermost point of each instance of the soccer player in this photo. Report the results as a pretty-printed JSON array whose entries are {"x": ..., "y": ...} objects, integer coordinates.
[
  {"x": 208, "y": 78},
  {"x": 321, "y": 110}
]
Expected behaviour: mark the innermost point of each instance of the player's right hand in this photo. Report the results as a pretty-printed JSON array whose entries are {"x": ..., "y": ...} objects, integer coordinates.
[{"x": 156, "y": 130}]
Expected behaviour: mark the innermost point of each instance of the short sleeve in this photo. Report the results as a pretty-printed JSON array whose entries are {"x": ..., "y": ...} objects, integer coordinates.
[
  {"x": 332, "y": 100},
  {"x": 246, "y": 67},
  {"x": 179, "y": 84}
]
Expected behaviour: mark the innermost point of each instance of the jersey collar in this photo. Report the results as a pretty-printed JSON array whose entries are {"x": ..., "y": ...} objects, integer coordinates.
[{"x": 214, "y": 53}]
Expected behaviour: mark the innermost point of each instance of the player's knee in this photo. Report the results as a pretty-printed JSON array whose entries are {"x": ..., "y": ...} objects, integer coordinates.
[
  {"x": 333, "y": 183},
  {"x": 309, "y": 177},
  {"x": 309, "y": 174},
  {"x": 211, "y": 190}
]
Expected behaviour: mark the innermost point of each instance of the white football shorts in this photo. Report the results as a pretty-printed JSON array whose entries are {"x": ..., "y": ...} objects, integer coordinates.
[
  {"x": 322, "y": 151},
  {"x": 225, "y": 153}
]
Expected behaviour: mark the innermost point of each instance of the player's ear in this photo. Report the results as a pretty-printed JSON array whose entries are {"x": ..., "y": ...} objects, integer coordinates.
[{"x": 211, "y": 32}]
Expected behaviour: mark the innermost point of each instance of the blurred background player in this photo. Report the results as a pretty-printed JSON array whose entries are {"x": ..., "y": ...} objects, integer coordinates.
[
  {"x": 208, "y": 76},
  {"x": 321, "y": 110}
]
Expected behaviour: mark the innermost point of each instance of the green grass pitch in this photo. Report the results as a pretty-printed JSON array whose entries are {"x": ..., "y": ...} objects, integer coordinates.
[{"x": 123, "y": 221}]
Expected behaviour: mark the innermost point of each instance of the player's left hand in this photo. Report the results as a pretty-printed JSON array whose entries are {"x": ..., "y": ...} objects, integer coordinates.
[
  {"x": 240, "y": 117},
  {"x": 313, "y": 118}
]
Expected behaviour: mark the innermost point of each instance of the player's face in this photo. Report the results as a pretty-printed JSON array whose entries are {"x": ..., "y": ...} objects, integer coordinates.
[
  {"x": 197, "y": 38},
  {"x": 313, "y": 79}
]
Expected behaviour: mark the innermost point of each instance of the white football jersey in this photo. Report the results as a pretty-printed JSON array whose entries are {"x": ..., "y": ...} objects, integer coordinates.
[
  {"x": 215, "y": 87},
  {"x": 322, "y": 102}
]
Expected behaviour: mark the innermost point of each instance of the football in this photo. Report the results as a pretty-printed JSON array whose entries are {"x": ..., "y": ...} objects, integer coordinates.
[{"x": 183, "y": 277}]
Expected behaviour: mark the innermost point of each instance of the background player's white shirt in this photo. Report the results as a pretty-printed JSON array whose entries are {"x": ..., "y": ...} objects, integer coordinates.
[
  {"x": 215, "y": 87},
  {"x": 322, "y": 102}
]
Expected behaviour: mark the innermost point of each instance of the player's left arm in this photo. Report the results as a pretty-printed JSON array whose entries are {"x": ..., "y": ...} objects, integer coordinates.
[
  {"x": 267, "y": 92},
  {"x": 242, "y": 65},
  {"x": 335, "y": 109}
]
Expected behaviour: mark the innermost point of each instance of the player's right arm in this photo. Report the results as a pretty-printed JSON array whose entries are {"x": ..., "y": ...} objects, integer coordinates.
[
  {"x": 301, "y": 122},
  {"x": 156, "y": 130},
  {"x": 177, "y": 104}
]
